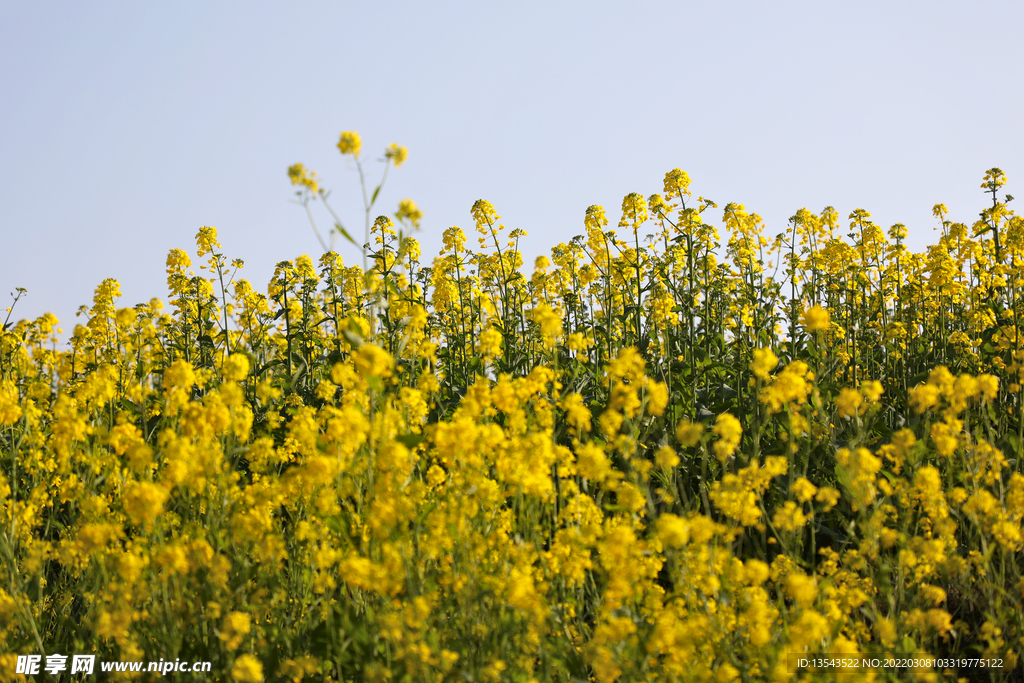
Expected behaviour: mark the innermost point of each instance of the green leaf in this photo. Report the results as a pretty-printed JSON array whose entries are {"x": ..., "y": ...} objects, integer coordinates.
[
  {"x": 354, "y": 339},
  {"x": 130, "y": 405},
  {"x": 267, "y": 367},
  {"x": 410, "y": 441},
  {"x": 353, "y": 333},
  {"x": 1014, "y": 441},
  {"x": 344, "y": 233}
]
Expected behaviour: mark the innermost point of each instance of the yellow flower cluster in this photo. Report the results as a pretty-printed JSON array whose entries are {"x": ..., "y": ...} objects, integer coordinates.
[{"x": 637, "y": 464}]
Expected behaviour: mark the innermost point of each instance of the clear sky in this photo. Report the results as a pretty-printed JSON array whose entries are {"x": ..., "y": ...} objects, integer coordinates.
[{"x": 125, "y": 126}]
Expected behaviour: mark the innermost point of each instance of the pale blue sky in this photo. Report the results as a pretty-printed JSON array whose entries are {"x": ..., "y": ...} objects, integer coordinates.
[{"x": 124, "y": 127}]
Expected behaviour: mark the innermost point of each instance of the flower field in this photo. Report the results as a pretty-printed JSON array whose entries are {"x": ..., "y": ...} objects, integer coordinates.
[{"x": 658, "y": 455}]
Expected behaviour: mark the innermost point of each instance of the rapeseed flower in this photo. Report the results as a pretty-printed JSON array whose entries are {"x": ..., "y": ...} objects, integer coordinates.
[
  {"x": 300, "y": 176},
  {"x": 789, "y": 517},
  {"x": 815, "y": 319},
  {"x": 764, "y": 362},
  {"x": 234, "y": 628},
  {"x": 849, "y": 402},
  {"x": 396, "y": 154},
  {"x": 408, "y": 211},
  {"x": 350, "y": 143},
  {"x": 804, "y": 490},
  {"x": 801, "y": 588},
  {"x": 688, "y": 433},
  {"x": 410, "y": 453},
  {"x": 144, "y": 502},
  {"x": 729, "y": 431},
  {"x": 247, "y": 669}
]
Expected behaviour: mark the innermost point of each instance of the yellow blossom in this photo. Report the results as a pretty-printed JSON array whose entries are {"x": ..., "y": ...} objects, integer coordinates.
[
  {"x": 764, "y": 362},
  {"x": 349, "y": 143},
  {"x": 804, "y": 490},
  {"x": 815, "y": 319},
  {"x": 247, "y": 669},
  {"x": 688, "y": 433},
  {"x": 728, "y": 430}
]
